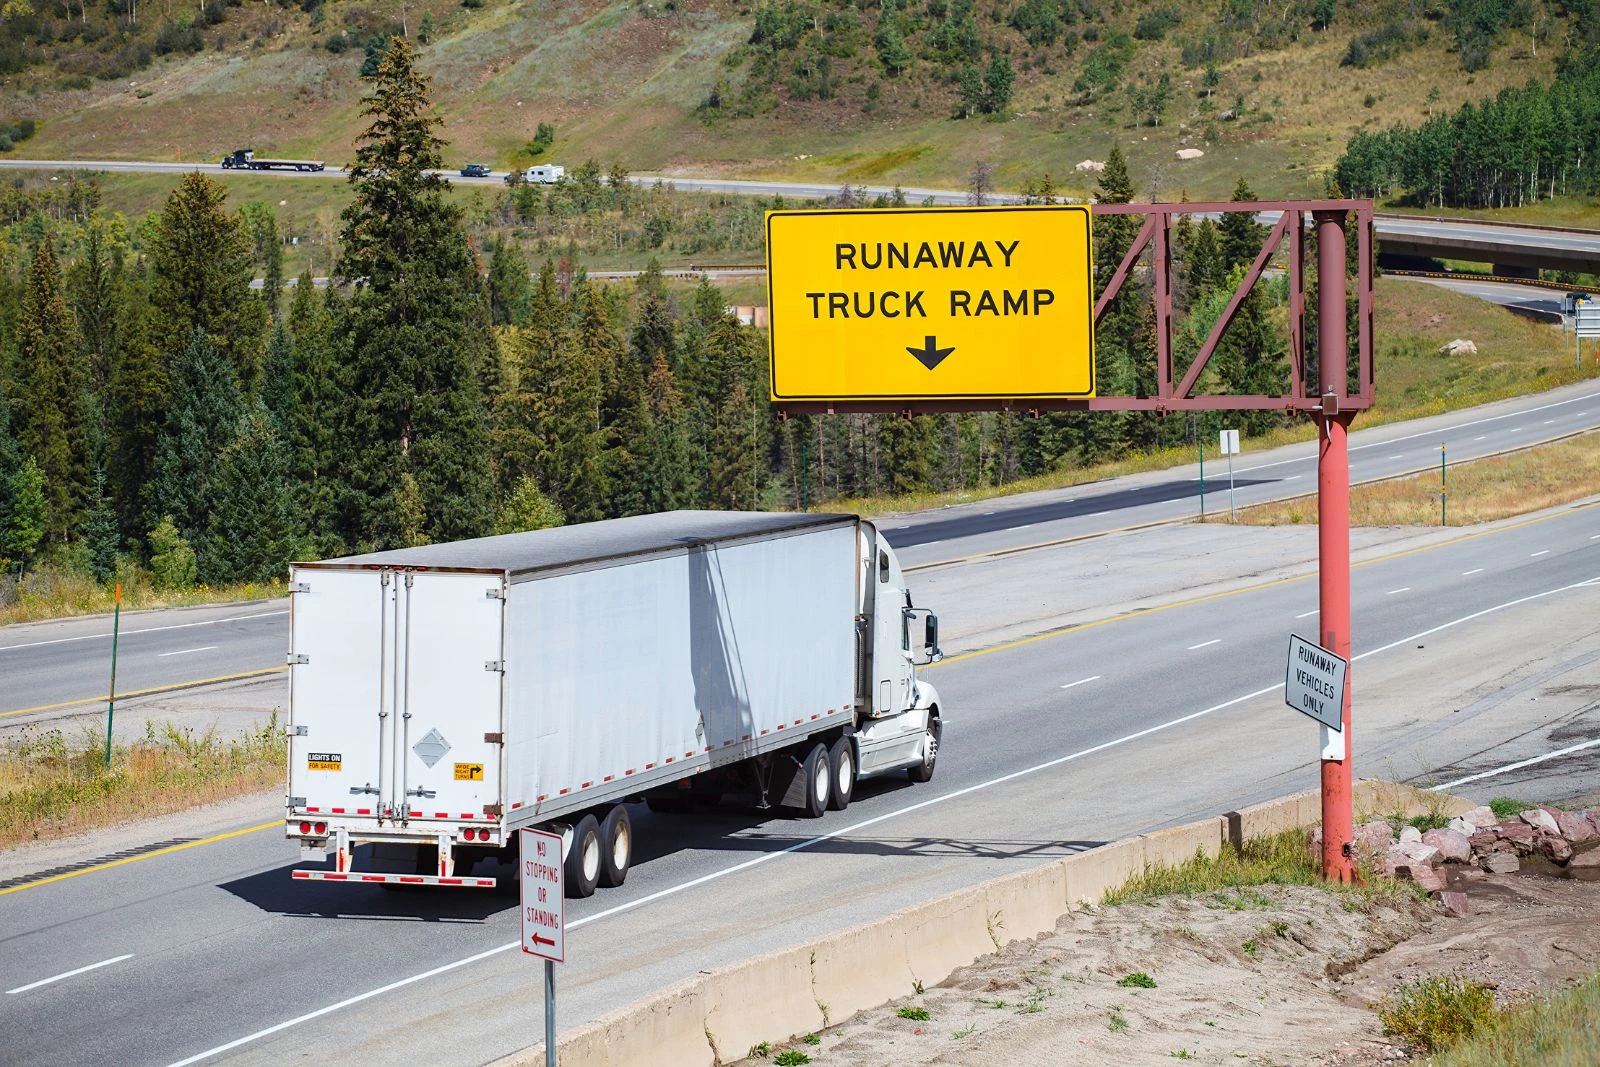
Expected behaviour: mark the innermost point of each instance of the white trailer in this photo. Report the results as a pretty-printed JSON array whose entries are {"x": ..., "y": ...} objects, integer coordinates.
[
  {"x": 545, "y": 174},
  {"x": 443, "y": 697}
]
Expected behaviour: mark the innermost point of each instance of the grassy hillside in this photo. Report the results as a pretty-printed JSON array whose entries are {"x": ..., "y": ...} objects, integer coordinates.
[{"x": 692, "y": 86}]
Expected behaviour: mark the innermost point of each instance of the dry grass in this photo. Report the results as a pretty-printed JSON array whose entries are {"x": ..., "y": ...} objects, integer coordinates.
[
  {"x": 52, "y": 785},
  {"x": 1480, "y": 491},
  {"x": 53, "y": 593},
  {"x": 1562, "y": 1030}
]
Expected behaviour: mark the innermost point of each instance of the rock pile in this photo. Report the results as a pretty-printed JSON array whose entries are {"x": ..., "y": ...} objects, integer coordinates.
[{"x": 1565, "y": 838}]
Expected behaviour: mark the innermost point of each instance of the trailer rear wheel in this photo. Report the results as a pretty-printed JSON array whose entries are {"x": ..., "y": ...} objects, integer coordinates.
[
  {"x": 819, "y": 781},
  {"x": 583, "y": 858},
  {"x": 842, "y": 766},
  {"x": 616, "y": 835}
]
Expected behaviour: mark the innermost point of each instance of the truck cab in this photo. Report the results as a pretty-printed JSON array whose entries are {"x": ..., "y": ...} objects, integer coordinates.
[
  {"x": 900, "y": 724},
  {"x": 239, "y": 159}
]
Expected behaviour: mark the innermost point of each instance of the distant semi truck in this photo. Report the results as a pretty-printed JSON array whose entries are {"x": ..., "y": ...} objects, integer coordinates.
[
  {"x": 443, "y": 697},
  {"x": 246, "y": 159}
]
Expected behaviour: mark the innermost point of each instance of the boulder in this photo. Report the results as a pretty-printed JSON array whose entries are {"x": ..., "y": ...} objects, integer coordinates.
[
  {"x": 1455, "y": 903},
  {"x": 1458, "y": 347},
  {"x": 1487, "y": 841},
  {"x": 1540, "y": 819},
  {"x": 1374, "y": 838},
  {"x": 1586, "y": 860},
  {"x": 1452, "y": 844},
  {"x": 1190, "y": 153},
  {"x": 1409, "y": 833},
  {"x": 1481, "y": 816},
  {"x": 1500, "y": 863},
  {"x": 1554, "y": 848},
  {"x": 1422, "y": 874},
  {"x": 1089, "y": 165},
  {"x": 1575, "y": 828},
  {"x": 1462, "y": 826},
  {"x": 1520, "y": 835},
  {"x": 1416, "y": 852}
]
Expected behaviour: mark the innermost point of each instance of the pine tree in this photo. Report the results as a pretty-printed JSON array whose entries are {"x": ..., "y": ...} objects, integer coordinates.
[
  {"x": 100, "y": 531},
  {"x": 653, "y": 332},
  {"x": 1239, "y": 234},
  {"x": 261, "y": 225},
  {"x": 624, "y": 413},
  {"x": 137, "y": 398},
  {"x": 664, "y": 461},
  {"x": 905, "y": 449},
  {"x": 94, "y": 292},
  {"x": 1206, "y": 270},
  {"x": 419, "y": 409},
  {"x": 508, "y": 284},
  {"x": 201, "y": 266},
  {"x": 202, "y": 421},
  {"x": 51, "y": 420},
  {"x": 527, "y": 509},
  {"x": 252, "y": 534},
  {"x": 734, "y": 457},
  {"x": 319, "y": 401},
  {"x": 278, "y": 378},
  {"x": 21, "y": 497}
]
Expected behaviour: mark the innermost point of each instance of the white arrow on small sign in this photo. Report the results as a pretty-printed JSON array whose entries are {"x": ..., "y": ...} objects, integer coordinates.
[{"x": 1313, "y": 684}]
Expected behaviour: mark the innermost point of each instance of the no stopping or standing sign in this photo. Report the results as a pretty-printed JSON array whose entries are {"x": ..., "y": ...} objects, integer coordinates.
[{"x": 543, "y": 895}]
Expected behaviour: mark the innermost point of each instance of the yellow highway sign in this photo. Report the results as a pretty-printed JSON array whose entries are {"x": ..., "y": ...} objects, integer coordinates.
[{"x": 931, "y": 303}]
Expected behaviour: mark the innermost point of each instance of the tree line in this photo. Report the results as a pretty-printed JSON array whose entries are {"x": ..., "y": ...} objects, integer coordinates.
[
  {"x": 1524, "y": 145},
  {"x": 155, "y": 411}
]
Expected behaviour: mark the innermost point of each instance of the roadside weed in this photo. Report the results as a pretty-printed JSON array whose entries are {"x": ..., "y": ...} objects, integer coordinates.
[
  {"x": 1136, "y": 980},
  {"x": 1115, "y": 1021},
  {"x": 1435, "y": 1012},
  {"x": 918, "y": 1014}
]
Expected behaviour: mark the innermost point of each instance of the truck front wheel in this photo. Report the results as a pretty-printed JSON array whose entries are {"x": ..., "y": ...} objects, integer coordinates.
[
  {"x": 616, "y": 835},
  {"x": 923, "y": 772},
  {"x": 583, "y": 858}
]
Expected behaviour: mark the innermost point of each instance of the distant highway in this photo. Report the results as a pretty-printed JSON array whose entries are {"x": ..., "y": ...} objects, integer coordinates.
[{"x": 1411, "y": 235}]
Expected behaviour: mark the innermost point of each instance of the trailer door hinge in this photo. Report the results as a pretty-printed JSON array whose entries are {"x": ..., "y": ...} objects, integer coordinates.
[
  {"x": 494, "y": 594},
  {"x": 494, "y": 665},
  {"x": 299, "y": 587},
  {"x": 299, "y": 730},
  {"x": 494, "y": 739},
  {"x": 296, "y": 658},
  {"x": 297, "y": 802},
  {"x": 496, "y": 810}
]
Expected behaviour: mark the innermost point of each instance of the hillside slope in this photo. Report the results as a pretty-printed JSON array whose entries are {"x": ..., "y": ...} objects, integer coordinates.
[{"x": 815, "y": 91}]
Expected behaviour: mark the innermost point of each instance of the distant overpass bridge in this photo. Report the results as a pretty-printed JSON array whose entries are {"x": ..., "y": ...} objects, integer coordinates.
[{"x": 1515, "y": 251}]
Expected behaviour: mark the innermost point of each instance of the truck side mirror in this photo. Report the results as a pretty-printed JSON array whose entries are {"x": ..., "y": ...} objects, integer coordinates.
[{"x": 930, "y": 639}]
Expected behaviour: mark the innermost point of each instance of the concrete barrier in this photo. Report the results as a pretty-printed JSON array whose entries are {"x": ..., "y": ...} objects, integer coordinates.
[{"x": 717, "y": 1017}]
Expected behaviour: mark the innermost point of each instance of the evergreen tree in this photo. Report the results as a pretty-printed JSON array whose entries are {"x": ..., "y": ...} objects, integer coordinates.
[
  {"x": 93, "y": 291},
  {"x": 100, "y": 531},
  {"x": 136, "y": 403},
  {"x": 906, "y": 449},
  {"x": 261, "y": 224},
  {"x": 317, "y": 404},
  {"x": 1206, "y": 270},
  {"x": 734, "y": 457},
  {"x": 664, "y": 462},
  {"x": 201, "y": 266},
  {"x": 508, "y": 284},
  {"x": 172, "y": 562},
  {"x": 202, "y": 421},
  {"x": 653, "y": 332},
  {"x": 527, "y": 509},
  {"x": 51, "y": 416},
  {"x": 21, "y": 497},
  {"x": 624, "y": 413},
  {"x": 278, "y": 378},
  {"x": 418, "y": 408},
  {"x": 1239, "y": 234},
  {"x": 252, "y": 534}
]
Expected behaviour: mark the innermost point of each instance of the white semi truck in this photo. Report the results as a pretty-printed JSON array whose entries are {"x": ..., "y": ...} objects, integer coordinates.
[{"x": 443, "y": 697}]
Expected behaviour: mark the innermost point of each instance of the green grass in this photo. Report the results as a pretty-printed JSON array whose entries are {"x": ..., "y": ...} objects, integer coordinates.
[
  {"x": 1137, "y": 980},
  {"x": 50, "y": 592},
  {"x": 1434, "y": 1013},
  {"x": 917, "y": 1014},
  {"x": 1233, "y": 875},
  {"x": 1507, "y": 807},
  {"x": 1561, "y": 1030},
  {"x": 1116, "y": 1022},
  {"x": 52, "y": 784},
  {"x": 791, "y": 1057}
]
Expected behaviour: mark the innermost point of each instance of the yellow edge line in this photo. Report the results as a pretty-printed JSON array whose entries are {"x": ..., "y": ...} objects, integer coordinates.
[
  {"x": 952, "y": 659},
  {"x": 1253, "y": 588},
  {"x": 173, "y": 687},
  {"x": 144, "y": 856}
]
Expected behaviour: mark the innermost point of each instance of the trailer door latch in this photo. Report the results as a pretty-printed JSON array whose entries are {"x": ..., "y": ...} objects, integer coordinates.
[
  {"x": 299, "y": 587},
  {"x": 494, "y": 739},
  {"x": 494, "y": 665},
  {"x": 297, "y": 658}
]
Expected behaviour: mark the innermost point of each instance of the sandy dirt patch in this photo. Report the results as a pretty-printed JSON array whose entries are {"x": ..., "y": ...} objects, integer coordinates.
[{"x": 1269, "y": 975}]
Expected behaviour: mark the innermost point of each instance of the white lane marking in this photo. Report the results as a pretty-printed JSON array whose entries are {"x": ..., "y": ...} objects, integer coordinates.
[
  {"x": 1402, "y": 589},
  {"x": 1080, "y": 681},
  {"x": 147, "y": 630},
  {"x": 1029, "y": 526},
  {"x": 186, "y": 651},
  {"x": 1485, "y": 437},
  {"x": 1398, "y": 456},
  {"x": 988, "y": 513},
  {"x": 1594, "y": 537},
  {"x": 1204, "y": 644},
  {"x": 1517, "y": 766},
  {"x": 68, "y": 974},
  {"x": 767, "y": 857},
  {"x": 1293, "y": 478},
  {"x": 1308, "y": 614},
  {"x": 1541, "y": 552},
  {"x": 1517, "y": 429},
  {"x": 1547, "y": 422},
  {"x": 1475, "y": 570},
  {"x": 1430, "y": 433}
]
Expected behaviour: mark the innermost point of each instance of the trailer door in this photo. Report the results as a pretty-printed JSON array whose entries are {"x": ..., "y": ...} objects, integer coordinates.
[
  {"x": 339, "y": 691},
  {"x": 449, "y": 696}
]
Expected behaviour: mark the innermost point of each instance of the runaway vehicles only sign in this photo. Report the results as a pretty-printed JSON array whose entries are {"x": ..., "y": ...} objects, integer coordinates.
[
  {"x": 931, "y": 303},
  {"x": 1314, "y": 682},
  {"x": 543, "y": 895}
]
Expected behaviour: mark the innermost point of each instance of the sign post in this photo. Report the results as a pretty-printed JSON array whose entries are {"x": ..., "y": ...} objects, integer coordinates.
[
  {"x": 111, "y": 694},
  {"x": 544, "y": 917},
  {"x": 1230, "y": 447},
  {"x": 954, "y": 304}
]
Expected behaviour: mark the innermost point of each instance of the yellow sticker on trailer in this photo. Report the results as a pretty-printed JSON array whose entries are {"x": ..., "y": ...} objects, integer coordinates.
[
  {"x": 324, "y": 761},
  {"x": 469, "y": 772}
]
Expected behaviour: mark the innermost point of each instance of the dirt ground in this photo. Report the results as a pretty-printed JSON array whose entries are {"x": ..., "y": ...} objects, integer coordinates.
[{"x": 1275, "y": 975}]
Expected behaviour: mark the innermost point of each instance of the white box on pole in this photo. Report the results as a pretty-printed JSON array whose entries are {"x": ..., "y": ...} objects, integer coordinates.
[
  {"x": 1230, "y": 442},
  {"x": 543, "y": 895}
]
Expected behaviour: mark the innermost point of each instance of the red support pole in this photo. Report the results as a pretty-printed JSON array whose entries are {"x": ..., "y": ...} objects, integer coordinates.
[{"x": 1333, "y": 538}]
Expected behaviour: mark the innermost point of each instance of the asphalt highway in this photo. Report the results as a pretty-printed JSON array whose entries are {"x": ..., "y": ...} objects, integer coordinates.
[
  {"x": 56, "y": 669},
  {"x": 211, "y": 953}
]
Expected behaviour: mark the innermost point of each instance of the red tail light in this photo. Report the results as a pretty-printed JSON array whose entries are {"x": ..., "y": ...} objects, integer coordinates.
[
  {"x": 305, "y": 828},
  {"x": 322, "y": 827}
]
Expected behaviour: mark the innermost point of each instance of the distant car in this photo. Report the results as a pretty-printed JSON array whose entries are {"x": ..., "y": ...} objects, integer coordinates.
[{"x": 475, "y": 170}]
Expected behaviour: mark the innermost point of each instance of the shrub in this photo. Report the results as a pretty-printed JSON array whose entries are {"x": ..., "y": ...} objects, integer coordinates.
[
  {"x": 172, "y": 562},
  {"x": 1136, "y": 980},
  {"x": 1433, "y": 1013},
  {"x": 1154, "y": 24}
]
